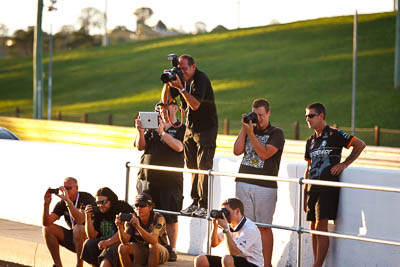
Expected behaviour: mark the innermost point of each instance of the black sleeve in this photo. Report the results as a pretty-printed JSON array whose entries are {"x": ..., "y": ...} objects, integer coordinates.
[
  {"x": 181, "y": 133},
  {"x": 307, "y": 152},
  {"x": 200, "y": 87},
  {"x": 60, "y": 208},
  {"x": 277, "y": 139}
]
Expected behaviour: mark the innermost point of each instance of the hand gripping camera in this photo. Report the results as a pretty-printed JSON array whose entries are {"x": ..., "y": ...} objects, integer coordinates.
[
  {"x": 171, "y": 74},
  {"x": 251, "y": 117},
  {"x": 217, "y": 214}
]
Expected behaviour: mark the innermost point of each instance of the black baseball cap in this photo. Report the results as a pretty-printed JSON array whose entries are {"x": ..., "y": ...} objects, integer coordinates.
[
  {"x": 172, "y": 102},
  {"x": 144, "y": 199}
]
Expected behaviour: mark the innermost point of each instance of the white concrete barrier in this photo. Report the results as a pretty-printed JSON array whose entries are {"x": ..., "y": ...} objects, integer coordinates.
[{"x": 27, "y": 169}]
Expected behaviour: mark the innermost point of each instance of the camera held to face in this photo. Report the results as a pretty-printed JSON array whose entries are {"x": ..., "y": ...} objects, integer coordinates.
[
  {"x": 54, "y": 191},
  {"x": 217, "y": 214},
  {"x": 252, "y": 116},
  {"x": 171, "y": 74},
  {"x": 126, "y": 217}
]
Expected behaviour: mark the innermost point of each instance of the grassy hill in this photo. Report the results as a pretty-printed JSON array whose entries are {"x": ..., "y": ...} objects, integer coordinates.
[{"x": 291, "y": 65}]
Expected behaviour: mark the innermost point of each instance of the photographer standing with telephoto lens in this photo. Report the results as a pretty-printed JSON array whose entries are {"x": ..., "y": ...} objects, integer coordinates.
[{"x": 197, "y": 96}]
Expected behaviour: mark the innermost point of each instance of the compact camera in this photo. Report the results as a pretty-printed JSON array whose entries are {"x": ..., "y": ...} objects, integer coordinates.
[
  {"x": 171, "y": 74},
  {"x": 250, "y": 117},
  {"x": 126, "y": 217},
  {"x": 54, "y": 191},
  {"x": 96, "y": 209},
  {"x": 217, "y": 214},
  {"x": 149, "y": 120}
]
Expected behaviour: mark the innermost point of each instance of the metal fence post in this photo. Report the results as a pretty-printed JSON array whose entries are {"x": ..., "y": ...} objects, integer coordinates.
[
  {"x": 209, "y": 207},
  {"x": 299, "y": 222},
  {"x": 128, "y": 170}
]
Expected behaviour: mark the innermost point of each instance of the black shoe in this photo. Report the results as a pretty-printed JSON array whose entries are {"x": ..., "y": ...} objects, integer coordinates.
[{"x": 172, "y": 256}]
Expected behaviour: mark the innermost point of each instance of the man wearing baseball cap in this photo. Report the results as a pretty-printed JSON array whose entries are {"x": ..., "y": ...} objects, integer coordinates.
[{"x": 143, "y": 239}]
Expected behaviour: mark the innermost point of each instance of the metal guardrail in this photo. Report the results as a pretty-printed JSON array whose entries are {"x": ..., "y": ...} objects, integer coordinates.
[{"x": 301, "y": 181}]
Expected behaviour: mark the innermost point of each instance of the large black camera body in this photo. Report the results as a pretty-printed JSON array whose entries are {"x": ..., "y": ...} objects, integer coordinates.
[
  {"x": 252, "y": 116},
  {"x": 217, "y": 214},
  {"x": 171, "y": 74},
  {"x": 126, "y": 217}
]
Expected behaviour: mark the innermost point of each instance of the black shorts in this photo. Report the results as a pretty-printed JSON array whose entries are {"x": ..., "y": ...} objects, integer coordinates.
[
  {"x": 215, "y": 261},
  {"x": 68, "y": 241},
  {"x": 93, "y": 255},
  {"x": 167, "y": 198},
  {"x": 322, "y": 205}
]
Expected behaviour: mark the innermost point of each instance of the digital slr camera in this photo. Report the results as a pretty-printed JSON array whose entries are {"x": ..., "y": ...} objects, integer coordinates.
[
  {"x": 250, "y": 117},
  {"x": 217, "y": 214},
  {"x": 171, "y": 74}
]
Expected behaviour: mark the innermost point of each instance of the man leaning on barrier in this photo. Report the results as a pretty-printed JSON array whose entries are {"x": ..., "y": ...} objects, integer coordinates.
[
  {"x": 262, "y": 146},
  {"x": 323, "y": 155},
  {"x": 164, "y": 147},
  {"x": 241, "y": 235},
  {"x": 71, "y": 207}
]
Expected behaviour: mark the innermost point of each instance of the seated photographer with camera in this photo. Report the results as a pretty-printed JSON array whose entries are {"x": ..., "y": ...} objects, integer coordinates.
[
  {"x": 100, "y": 225},
  {"x": 197, "y": 96},
  {"x": 142, "y": 236},
  {"x": 71, "y": 207},
  {"x": 241, "y": 235},
  {"x": 262, "y": 146},
  {"x": 163, "y": 146}
]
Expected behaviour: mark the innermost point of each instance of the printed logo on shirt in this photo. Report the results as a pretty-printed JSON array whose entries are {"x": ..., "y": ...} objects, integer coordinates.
[{"x": 250, "y": 157}]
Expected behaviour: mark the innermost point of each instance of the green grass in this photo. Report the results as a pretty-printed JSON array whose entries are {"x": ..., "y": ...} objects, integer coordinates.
[{"x": 291, "y": 65}]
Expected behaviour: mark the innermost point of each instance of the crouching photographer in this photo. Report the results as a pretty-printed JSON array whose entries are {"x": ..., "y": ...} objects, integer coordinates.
[
  {"x": 70, "y": 206},
  {"x": 241, "y": 235},
  {"x": 142, "y": 237},
  {"x": 100, "y": 227}
]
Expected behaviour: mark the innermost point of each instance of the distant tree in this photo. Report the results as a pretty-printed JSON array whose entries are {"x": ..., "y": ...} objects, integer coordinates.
[
  {"x": 3, "y": 30},
  {"x": 200, "y": 27},
  {"x": 274, "y": 22},
  {"x": 160, "y": 27},
  {"x": 219, "y": 28},
  {"x": 63, "y": 38},
  {"x": 119, "y": 29},
  {"x": 90, "y": 19},
  {"x": 142, "y": 14},
  {"x": 23, "y": 42}
]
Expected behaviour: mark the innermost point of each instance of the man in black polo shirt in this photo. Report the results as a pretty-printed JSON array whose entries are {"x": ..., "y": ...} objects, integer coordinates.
[
  {"x": 323, "y": 155},
  {"x": 197, "y": 96},
  {"x": 71, "y": 207},
  {"x": 262, "y": 146},
  {"x": 164, "y": 147}
]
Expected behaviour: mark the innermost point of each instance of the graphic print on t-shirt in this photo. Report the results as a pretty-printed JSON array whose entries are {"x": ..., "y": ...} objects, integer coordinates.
[
  {"x": 107, "y": 229},
  {"x": 250, "y": 157}
]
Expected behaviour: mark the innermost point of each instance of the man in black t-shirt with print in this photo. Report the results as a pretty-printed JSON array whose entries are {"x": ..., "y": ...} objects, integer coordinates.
[
  {"x": 323, "y": 156},
  {"x": 164, "y": 147},
  {"x": 197, "y": 95},
  {"x": 71, "y": 207},
  {"x": 100, "y": 225},
  {"x": 262, "y": 146}
]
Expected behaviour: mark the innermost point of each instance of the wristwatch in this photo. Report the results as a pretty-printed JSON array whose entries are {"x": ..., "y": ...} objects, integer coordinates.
[
  {"x": 226, "y": 230},
  {"x": 182, "y": 90},
  {"x": 163, "y": 133}
]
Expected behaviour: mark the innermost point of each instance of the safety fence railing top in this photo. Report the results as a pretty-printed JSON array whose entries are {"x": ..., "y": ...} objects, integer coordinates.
[{"x": 299, "y": 229}]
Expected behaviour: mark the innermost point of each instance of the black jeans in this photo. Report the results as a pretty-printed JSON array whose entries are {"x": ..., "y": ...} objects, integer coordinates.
[{"x": 199, "y": 151}]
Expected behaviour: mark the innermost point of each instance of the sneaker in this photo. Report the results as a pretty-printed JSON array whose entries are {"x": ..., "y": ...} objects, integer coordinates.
[
  {"x": 189, "y": 210},
  {"x": 172, "y": 256},
  {"x": 200, "y": 212}
]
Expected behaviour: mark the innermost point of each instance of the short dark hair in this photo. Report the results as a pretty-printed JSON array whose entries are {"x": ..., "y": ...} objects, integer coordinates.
[
  {"x": 189, "y": 58},
  {"x": 318, "y": 107},
  {"x": 234, "y": 203},
  {"x": 261, "y": 102},
  {"x": 107, "y": 192}
]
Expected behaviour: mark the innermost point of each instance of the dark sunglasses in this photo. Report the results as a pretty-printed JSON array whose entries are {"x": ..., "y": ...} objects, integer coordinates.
[
  {"x": 312, "y": 115},
  {"x": 101, "y": 202},
  {"x": 140, "y": 206}
]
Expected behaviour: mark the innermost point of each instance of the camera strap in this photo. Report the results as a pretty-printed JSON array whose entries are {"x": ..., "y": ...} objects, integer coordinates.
[
  {"x": 70, "y": 217},
  {"x": 240, "y": 225}
]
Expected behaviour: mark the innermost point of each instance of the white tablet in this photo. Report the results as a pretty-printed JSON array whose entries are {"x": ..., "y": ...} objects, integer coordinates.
[{"x": 149, "y": 120}]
